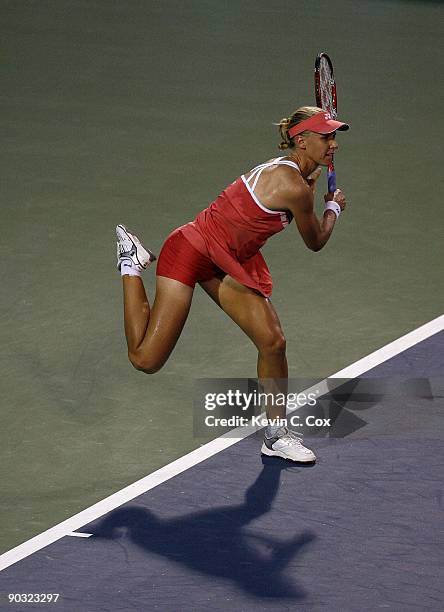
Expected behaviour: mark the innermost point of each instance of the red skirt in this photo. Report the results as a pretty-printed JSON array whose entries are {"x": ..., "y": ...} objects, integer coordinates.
[{"x": 180, "y": 260}]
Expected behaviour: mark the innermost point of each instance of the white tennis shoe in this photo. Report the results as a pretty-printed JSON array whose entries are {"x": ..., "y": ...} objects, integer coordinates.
[
  {"x": 130, "y": 248},
  {"x": 288, "y": 445}
]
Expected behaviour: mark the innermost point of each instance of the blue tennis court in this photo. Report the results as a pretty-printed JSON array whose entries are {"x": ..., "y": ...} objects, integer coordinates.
[{"x": 360, "y": 530}]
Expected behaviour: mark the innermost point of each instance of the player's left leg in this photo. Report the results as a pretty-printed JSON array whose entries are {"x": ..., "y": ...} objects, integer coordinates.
[{"x": 257, "y": 317}]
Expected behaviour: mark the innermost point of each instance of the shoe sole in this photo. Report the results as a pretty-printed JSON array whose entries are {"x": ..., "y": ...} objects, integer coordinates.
[{"x": 272, "y": 453}]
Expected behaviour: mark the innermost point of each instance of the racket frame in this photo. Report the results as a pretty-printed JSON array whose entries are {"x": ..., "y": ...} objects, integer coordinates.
[{"x": 333, "y": 110}]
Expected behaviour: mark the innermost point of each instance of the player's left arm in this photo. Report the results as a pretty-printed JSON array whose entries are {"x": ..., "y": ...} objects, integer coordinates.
[{"x": 298, "y": 197}]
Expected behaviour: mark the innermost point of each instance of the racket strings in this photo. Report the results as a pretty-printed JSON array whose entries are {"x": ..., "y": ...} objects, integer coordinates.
[{"x": 326, "y": 83}]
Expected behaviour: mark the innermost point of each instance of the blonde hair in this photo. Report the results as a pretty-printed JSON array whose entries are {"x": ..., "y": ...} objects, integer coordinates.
[{"x": 302, "y": 113}]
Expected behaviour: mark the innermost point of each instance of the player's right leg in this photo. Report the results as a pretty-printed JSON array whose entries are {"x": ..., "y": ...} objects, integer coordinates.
[{"x": 151, "y": 332}]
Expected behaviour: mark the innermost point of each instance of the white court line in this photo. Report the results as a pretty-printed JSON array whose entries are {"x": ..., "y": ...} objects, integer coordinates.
[{"x": 206, "y": 451}]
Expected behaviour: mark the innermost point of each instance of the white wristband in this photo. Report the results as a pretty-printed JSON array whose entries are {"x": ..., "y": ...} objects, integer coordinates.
[{"x": 334, "y": 206}]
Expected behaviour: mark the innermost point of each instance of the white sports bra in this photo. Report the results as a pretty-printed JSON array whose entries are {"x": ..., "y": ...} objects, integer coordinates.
[{"x": 251, "y": 182}]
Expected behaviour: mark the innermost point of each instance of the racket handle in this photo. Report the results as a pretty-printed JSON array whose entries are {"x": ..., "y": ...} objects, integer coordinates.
[{"x": 331, "y": 179}]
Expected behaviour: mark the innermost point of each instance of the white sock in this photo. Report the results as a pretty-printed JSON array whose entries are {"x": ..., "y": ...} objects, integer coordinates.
[
  {"x": 127, "y": 267},
  {"x": 271, "y": 430}
]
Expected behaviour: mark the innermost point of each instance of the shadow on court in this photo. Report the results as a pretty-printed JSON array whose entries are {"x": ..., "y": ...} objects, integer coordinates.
[{"x": 215, "y": 541}]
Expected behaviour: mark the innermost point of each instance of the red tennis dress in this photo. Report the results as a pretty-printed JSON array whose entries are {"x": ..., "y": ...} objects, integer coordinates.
[{"x": 226, "y": 237}]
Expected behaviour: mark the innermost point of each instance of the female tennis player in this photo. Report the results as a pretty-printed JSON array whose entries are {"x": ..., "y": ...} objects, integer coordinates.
[{"x": 220, "y": 250}]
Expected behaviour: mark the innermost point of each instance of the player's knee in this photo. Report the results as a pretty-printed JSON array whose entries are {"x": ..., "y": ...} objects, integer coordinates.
[
  {"x": 275, "y": 344},
  {"x": 145, "y": 364}
]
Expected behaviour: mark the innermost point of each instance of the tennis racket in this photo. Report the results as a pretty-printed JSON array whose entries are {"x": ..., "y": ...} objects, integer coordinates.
[{"x": 325, "y": 92}]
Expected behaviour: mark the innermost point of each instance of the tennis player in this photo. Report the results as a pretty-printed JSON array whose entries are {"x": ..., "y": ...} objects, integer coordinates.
[{"x": 220, "y": 250}]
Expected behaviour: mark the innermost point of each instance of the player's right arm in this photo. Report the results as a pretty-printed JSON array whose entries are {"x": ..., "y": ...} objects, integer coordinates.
[{"x": 298, "y": 198}]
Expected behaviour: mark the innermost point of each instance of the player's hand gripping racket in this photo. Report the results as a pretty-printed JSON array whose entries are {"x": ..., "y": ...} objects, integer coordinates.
[{"x": 325, "y": 91}]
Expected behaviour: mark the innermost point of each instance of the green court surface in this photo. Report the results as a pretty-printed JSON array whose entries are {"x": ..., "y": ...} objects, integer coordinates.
[{"x": 141, "y": 113}]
